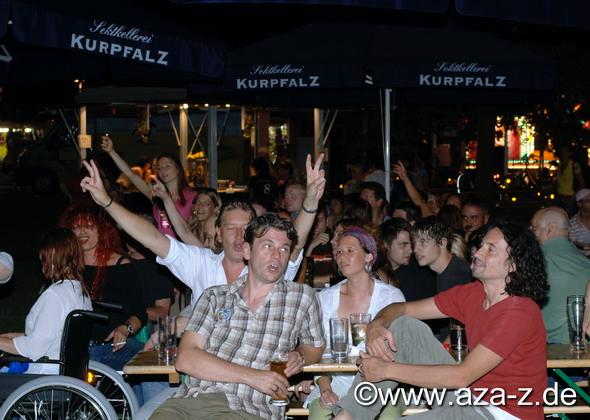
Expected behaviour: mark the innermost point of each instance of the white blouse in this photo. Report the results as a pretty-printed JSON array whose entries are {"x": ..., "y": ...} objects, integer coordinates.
[
  {"x": 383, "y": 295},
  {"x": 45, "y": 323}
]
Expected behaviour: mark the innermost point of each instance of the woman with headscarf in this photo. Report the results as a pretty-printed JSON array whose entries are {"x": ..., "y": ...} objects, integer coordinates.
[{"x": 359, "y": 292}]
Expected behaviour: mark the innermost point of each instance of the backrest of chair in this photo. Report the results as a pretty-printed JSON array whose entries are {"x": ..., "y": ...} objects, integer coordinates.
[{"x": 74, "y": 344}]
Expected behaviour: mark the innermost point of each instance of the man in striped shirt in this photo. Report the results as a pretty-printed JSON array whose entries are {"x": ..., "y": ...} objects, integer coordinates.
[{"x": 235, "y": 329}]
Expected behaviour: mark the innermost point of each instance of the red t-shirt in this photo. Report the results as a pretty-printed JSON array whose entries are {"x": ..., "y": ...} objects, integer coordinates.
[{"x": 513, "y": 329}]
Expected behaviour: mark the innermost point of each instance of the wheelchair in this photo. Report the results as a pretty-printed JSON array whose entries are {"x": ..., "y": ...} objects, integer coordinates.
[{"x": 81, "y": 391}]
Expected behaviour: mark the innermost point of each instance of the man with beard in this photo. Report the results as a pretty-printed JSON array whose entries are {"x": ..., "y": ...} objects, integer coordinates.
[
  {"x": 505, "y": 333},
  {"x": 200, "y": 268},
  {"x": 235, "y": 329}
]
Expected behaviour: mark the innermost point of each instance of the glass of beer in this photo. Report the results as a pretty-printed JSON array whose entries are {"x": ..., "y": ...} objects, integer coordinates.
[
  {"x": 278, "y": 363},
  {"x": 358, "y": 327}
]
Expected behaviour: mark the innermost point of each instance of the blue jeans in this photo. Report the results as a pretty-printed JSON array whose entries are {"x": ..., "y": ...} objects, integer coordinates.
[
  {"x": 103, "y": 353},
  {"x": 145, "y": 391}
]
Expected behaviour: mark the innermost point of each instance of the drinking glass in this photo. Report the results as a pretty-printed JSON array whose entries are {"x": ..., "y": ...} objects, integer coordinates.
[
  {"x": 457, "y": 335},
  {"x": 167, "y": 338},
  {"x": 358, "y": 327},
  {"x": 278, "y": 364},
  {"x": 339, "y": 338},
  {"x": 576, "y": 306}
]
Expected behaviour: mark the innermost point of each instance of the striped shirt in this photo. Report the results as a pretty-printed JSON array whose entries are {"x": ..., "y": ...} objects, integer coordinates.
[
  {"x": 290, "y": 315},
  {"x": 579, "y": 234}
]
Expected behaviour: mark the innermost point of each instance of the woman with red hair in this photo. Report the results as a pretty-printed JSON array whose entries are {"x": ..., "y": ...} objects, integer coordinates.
[{"x": 110, "y": 278}]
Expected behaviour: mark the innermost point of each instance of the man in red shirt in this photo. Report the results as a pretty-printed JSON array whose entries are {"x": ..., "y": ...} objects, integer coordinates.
[{"x": 505, "y": 370}]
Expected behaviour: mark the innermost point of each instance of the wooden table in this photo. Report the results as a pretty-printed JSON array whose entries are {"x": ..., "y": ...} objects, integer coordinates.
[
  {"x": 559, "y": 356},
  {"x": 329, "y": 365},
  {"x": 147, "y": 363}
]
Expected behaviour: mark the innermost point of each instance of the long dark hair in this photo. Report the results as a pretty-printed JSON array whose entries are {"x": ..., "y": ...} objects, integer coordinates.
[
  {"x": 529, "y": 278},
  {"x": 388, "y": 232},
  {"x": 182, "y": 182}
]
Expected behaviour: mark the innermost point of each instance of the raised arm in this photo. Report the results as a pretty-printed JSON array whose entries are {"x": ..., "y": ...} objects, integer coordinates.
[
  {"x": 316, "y": 183},
  {"x": 136, "y": 226},
  {"x": 180, "y": 225},
  {"x": 107, "y": 145},
  {"x": 400, "y": 170}
]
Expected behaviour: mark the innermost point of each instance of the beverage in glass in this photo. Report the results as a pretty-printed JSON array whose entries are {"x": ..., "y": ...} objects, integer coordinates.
[
  {"x": 457, "y": 335},
  {"x": 576, "y": 306},
  {"x": 339, "y": 338},
  {"x": 278, "y": 364},
  {"x": 358, "y": 327},
  {"x": 167, "y": 338}
]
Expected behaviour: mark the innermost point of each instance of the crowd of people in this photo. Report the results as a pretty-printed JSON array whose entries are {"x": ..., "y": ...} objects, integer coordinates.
[{"x": 252, "y": 265}]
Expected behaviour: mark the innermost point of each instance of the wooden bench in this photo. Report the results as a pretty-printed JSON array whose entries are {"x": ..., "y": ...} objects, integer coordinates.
[{"x": 297, "y": 410}]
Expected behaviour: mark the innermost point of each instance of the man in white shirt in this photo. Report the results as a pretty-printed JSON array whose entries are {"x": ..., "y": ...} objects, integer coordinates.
[{"x": 200, "y": 268}]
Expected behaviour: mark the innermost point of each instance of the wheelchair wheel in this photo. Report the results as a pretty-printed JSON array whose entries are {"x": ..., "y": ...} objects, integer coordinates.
[
  {"x": 56, "y": 397},
  {"x": 117, "y": 392}
]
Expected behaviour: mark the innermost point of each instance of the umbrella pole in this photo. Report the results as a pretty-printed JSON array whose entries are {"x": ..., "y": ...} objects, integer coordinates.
[
  {"x": 183, "y": 134},
  {"x": 212, "y": 146},
  {"x": 82, "y": 131},
  {"x": 318, "y": 129},
  {"x": 386, "y": 142}
]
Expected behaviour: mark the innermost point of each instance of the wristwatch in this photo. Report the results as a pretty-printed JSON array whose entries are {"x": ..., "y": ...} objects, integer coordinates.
[{"x": 130, "y": 329}]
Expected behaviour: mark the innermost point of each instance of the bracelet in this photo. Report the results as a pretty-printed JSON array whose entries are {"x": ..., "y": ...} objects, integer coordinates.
[
  {"x": 110, "y": 202},
  {"x": 309, "y": 211}
]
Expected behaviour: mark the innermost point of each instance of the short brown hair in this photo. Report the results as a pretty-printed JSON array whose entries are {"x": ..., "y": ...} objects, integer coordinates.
[
  {"x": 258, "y": 227},
  {"x": 62, "y": 257},
  {"x": 235, "y": 205}
]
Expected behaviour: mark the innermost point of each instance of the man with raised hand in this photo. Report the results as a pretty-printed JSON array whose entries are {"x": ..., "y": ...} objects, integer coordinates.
[
  {"x": 235, "y": 329},
  {"x": 505, "y": 332},
  {"x": 200, "y": 268}
]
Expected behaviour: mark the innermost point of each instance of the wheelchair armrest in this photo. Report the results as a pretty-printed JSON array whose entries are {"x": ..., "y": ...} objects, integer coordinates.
[
  {"x": 7, "y": 358},
  {"x": 117, "y": 307}
]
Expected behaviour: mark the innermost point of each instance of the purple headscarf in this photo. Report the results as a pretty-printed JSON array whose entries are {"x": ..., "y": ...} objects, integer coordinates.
[{"x": 365, "y": 240}]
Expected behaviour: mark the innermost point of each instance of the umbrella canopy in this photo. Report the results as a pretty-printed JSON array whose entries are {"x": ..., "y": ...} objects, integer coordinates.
[
  {"x": 117, "y": 43},
  {"x": 339, "y": 63},
  {"x": 312, "y": 64},
  {"x": 454, "y": 66}
]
